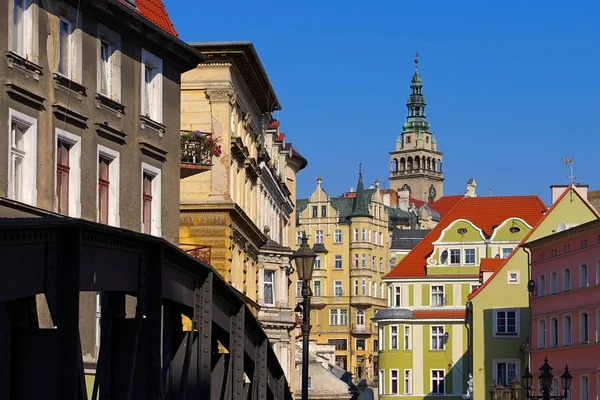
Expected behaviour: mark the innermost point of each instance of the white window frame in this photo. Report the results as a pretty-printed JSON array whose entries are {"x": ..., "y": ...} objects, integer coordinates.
[
  {"x": 474, "y": 257},
  {"x": 381, "y": 383},
  {"x": 553, "y": 282},
  {"x": 584, "y": 389},
  {"x": 408, "y": 381},
  {"x": 356, "y": 287},
  {"x": 507, "y": 361},
  {"x": 364, "y": 235},
  {"x": 317, "y": 284},
  {"x": 28, "y": 193},
  {"x": 355, "y": 234},
  {"x": 584, "y": 339},
  {"x": 392, "y": 379},
  {"x": 317, "y": 264},
  {"x": 154, "y": 110},
  {"x": 337, "y": 236},
  {"x": 156, "y": 173},
  {"x": 407, "y": 337},
  {"x": 439, "y": 379},
  {"x": 566, "y": 278},
  {"x": 517, "y": 323},
  {"x": 554, "y": 334},
  {"x": 298, "y": 288},
  {"x": 114, "y": 171},
  {"x": 360, "y": 317},
  {"x": 272, "y": 284},
  {"x": 28, "y": 45},
  {"x": 397, "y": 296},
  {"x": 74, "y": 69},
  {"x": 450, "y": 257},
  {"x": 393, "y": 336},
  {"x": 567, "y": 333},
  {"x": 337, "y": 262},
  {"x": 581, "y": 275},
  {"x": 319, "y": 237},
  {"x": 337, "y": 284},
  {"x": 542, "y": 332},
  {"x": 381, "y": 338},
  {"x": 506, "y": 251},
  {"x": 299, "y": 235},
  {"x": 512, "y": 277},
  {"x": 114, "y": 72},
  {"x": 74, "y": 171},
  {"x": 438, "y": 295},
  {"x": 437, "y": 337}
]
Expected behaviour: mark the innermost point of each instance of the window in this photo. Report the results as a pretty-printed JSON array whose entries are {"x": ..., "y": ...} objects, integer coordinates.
[
  {"x": 506, "y": 322},
  {"x": 541, "y": 289},
  {"x": 299, "y": 235},
  {"x": 337, "y": 262},
  {"x": 364, "y": 235},
  {"x": 337, "y": 236},
  {"x": 380, "y": 382},
  {"x": 356, "y": 287},
  {"x": 381, "y": 341},
  {"x": 454, "y": 256},
  {"x": 506, "y": 252},
  {"x": 393, "y": 381},
  {"x": 318, "y": 262},
  {"x": 397, "y": 297},
  {"x": 437, "y": 296},
  {"x": 554, "y": 332},
  {"x": 151, "y": 86},
  {"x": 364, "y": 261},
  {"x": 356, "y": 235},
  {"x": 361, "y": 345},
  {"x": 109, "y": 63},
  {"x": 381, "y": 264},
  {"x": 567, "y": 280},
  {"x": 513, "y": 277},
  {"x": 334, "y": 317},
  {"x": 380, "y": 238},
  {"x": 22, "y": 168},
  {"x": 567, "y": 330},
  {"x": 68, "y": 174},
  {"x": 584, "y": 391},
  {"x": 337, "y": 288},
  {"x": 382, "y": 291},
  {"x": 437, "y": 338},
  {"x": 65, "y": 30},
  {"x": 542, "y": 334},
  {"x": 319, "y": 237},
  {"x": 583, "y": 276},
  {"x": 394, "y": 337},
  {"x": 23, "y": 29},
  {"x": 407, "y": 381},
  {"x": 269, "y": 287},
  {"x": 317, "y": 288},
  {"x": 364, "y": 287},
  {"x": 298, "y": 288},
  {"x": 108, "y": 186},
  {"x": 340, "y": 344},
  {"x": 360, "y": 317},
  {"x": 437, "y": 381},
  {"x": 315, "y": 211},
  {"x": 323, "y": 211},
  {"x": 584, "y": 328},
  {"x": 506, "y": 371},
  {"x": 407, "y": 338},
  {"x": 151, "y": 200},
  {"x": 469, "y": 256},
  {"x": 553, "y": 283},
  {"x": 356, "y": 261},
  {"x": 344, "y": 316}
]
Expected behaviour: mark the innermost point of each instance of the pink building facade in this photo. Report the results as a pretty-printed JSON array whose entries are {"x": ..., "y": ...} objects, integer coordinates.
[{"x": 565, "y": 306}]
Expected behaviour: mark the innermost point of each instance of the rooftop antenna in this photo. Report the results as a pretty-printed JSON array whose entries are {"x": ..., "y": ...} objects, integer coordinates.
[{"x": 570, "y": 162}]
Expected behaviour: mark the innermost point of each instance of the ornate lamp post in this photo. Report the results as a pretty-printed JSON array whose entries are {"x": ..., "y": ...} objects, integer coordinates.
[
  {"x": 304, "y": 258},
  {"x": 545, "y": 380}
]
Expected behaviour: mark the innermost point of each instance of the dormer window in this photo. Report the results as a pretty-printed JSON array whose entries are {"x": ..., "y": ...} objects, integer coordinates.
[{"x": 454, "y": 256}]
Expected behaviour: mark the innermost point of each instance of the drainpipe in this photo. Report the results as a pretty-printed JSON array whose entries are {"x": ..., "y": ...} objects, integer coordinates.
[{"x": 528, "y": 252}]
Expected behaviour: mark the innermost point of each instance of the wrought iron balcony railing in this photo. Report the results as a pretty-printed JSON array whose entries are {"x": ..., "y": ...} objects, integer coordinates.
[
  {"x": 194, "y": 150},
  {"x": 197, "y": 251}
]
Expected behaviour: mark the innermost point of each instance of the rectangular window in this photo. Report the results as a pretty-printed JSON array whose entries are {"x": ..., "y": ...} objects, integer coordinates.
[
  {"x": 109, "y": 63},
  {"x": 323, "y": 211},
  {"x": 553, "y": 283},
  {"x": 437, "y": 381},
  {"x": 542, "y": 334},
  {"x": 360, "y": 345},
  {"x": 364, "y": 287},
  {"x": 356, "y": 261},
  {"x": 317, "y": 288},
  {"x": 356, "y": 287},
  {"x": 437, "y": 338},
  {"x": 65, "y": 29},
  {"x": 337, "y": 288},
  {"x": 407, "y": 381},
  {"x": 506, "y": 372},
  {"x": 437, "y": 296},
  {"x": 506, "y": 252},
  {"x": 470, "y": 256},
  {"x": 319, "y": 236},
  {"x": 147, "y": 204},
  {"x": 567, "y": 330},
  {"x": 584, "y": 327},
  {"x": 554, "y": 332},
  {"x": 315, "y": 211},
  {"x": 344, "y": 316},
  {"x": 381, "y": 340},
  {"x": 454, "y": 256},
  {"x": 364, "y": 235},
  {"x": 298, "y": 288},
  {"x": 108, "y": 187},
  {"x": 506, "y": 322},
  {"x": 299, "y": 235},
  {"x": 381, "y": 264},
  {"x": 355, "y": 235},
  {"x": 583, "y": 276},
  {"x": 567, "y": 280},
  {"x": 598, "y": 328},
  {"x": 151, "y": 86},
  {"x": 318, "y": 262},
  {"x": 513, "y": 277},
  {"x": 63, "y": 169},
  {"x": 337, "y": 262},
  {"x": 269, "y": 287},
  {"x": 22, "y": 158},
  {"x": 584, "y": 391},
  {"x": 334, "y": 316},
  {"x": 340, "y": 344},
  {"x": 598, "y": 272},
  {"x": 474, "y": 287},
  {"x": 397, "y": 297},
  {"x": 393, "y": 381},
  {"x": 22, "y": 30},
  {"x": 407, "y": 338},
  {"x": 541, "y": 287},
  {"x": 68, "y": 174},
  {"x": 103, "y": 189},
  {"x": 151, "y": 200},
  {"x": 364, "y": 261},
  {"x": 394, "y": 337},
  {"x": 381, "y": 383},
  {"x": 337, "y": 236}
]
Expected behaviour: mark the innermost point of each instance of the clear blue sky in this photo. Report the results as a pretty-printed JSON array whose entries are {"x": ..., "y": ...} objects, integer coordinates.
[{"x": 512, "y": 86}]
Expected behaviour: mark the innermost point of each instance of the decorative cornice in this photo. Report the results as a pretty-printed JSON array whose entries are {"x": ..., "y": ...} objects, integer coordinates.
[
  {"x": 153, "y": 151},
  {"x": 107, "y": 131},
  {"x": 63, "y": 112},
  {"x": 221, "y": 95},
  {"x": 15, "y": 90}
]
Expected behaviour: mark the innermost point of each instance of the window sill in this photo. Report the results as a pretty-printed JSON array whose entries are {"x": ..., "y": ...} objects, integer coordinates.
[
  {"x": 153, "y": 125},
  {"x": 505, "y": 336},
  {"x": 15, "y": 60},
  {"x": 62, "y": 82},
  {"x": 109, "y": 104}
]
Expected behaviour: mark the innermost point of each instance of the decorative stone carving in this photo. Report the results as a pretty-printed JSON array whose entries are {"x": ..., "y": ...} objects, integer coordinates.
[
  {"x": 247, "y": 122},
  {"x": 221, "y": 95}
]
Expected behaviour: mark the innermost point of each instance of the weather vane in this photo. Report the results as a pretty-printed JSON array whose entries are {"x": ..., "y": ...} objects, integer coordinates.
[
  {"x": 360, "y": 168},
  {"x": 570, "y": 162},
  {"x": 417, "y": 55}
]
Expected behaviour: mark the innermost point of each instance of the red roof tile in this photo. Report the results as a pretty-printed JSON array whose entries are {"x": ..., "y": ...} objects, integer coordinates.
[
  {"x": 155, "y": 12},
  {"x": 491, "y": 264},
  {"x": 280, "y": 138},
  {"x": 481, "y": 211},
  {"x": 274, "y": 124},
  {"x": 439, "y": 314},
  {"x": 446, "y": 203}
]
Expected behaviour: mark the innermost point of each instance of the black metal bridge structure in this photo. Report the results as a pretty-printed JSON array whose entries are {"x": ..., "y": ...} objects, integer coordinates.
[{"x": 226, "y": 354}]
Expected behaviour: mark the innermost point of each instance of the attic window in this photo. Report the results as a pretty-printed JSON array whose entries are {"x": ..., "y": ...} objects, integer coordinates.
[
  {"x": 514, "y": 229},
  {"x": 461, "y": 231}
]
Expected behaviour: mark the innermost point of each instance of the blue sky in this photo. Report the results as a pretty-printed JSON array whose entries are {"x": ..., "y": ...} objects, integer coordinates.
[{"x": 512, "y": 86}]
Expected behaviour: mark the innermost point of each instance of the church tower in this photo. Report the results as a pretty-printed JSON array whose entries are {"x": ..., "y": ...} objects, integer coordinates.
[{"x": 416, "y": 164}]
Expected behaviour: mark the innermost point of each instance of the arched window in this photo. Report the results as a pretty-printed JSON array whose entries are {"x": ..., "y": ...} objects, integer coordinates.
[{"x": 395, "y": 165}]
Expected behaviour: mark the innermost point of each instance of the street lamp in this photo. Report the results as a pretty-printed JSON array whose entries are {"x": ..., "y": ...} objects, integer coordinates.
[
  {"x": 545, "y": 380},
  {"x": 304, "y": 258}
]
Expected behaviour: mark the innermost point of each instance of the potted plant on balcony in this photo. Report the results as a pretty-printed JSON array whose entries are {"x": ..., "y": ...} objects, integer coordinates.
[{"x": 199, "y": 147}]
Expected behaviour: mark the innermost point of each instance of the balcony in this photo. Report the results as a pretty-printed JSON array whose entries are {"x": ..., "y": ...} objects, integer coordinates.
[
  {"x": 361, "y": 246},
  {"x": 362, "y": 272},
  {"x": 367, "y": 301},
  {"x": 363, "y": 329},
  {"x": 416, "y": 173},
  {"x": 200, "y": 252},
  {"x": 196, "y": 151}
]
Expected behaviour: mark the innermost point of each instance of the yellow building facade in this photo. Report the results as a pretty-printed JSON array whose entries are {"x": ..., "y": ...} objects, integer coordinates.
[{"x": 350, "y": 234}]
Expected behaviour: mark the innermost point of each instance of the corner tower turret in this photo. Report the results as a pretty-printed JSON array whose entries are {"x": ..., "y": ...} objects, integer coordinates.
[{"x": 416, "y": 163}]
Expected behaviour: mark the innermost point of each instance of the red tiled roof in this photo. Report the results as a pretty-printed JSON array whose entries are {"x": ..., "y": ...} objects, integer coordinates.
[
  {"x": 280, "y": 138},
  {"x": 524, "y": 240},
  {"x": 155, "y": 12},
  {"x": 439, "y": 314},
  {"x": 446, "y": 203},
  {"x": 491, "y": 264},
  {"x": 274, "y": 124},
  {"x": 481, "y": 211}
]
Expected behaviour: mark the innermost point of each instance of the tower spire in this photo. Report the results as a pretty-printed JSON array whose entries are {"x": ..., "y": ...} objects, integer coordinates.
[
  {"x": 416, "y": 104},
  {"x": 417, "y": 55}
]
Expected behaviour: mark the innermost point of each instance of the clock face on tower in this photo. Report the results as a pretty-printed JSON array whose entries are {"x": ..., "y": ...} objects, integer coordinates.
[{"x": 432, "y": 192}]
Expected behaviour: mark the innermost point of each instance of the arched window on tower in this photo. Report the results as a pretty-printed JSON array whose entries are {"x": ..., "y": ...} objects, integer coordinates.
[
  {"x": 439, "y": 166},
  {"x": 402, "y": 164},
  {"x": 434, "y": 164},
  {"x": 394, "y": 165},
  {"x": 417, "y": 162},
  {"x": 410, "y": 164}
]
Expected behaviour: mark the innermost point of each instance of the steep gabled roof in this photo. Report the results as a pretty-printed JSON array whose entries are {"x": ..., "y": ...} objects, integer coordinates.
[
  {"x": 484, "y": 212},
  {"x": 491, "y": 264},
  {"x": 444, "y": 204},
  {"x": 155, "y": 12}
]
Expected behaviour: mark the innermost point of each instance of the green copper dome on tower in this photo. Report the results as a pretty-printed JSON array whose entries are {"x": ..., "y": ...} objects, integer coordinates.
[{"x": 416, "y": 104}]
